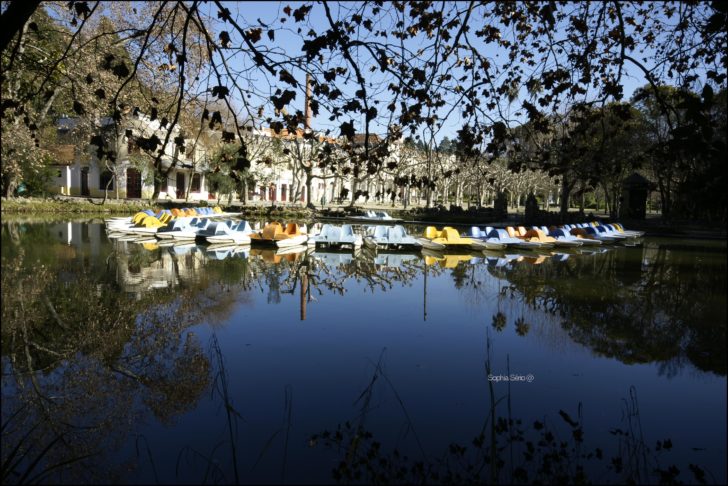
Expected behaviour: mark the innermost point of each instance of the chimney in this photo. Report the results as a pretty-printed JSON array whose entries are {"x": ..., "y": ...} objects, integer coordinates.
[{"x": 308, "y": 101}]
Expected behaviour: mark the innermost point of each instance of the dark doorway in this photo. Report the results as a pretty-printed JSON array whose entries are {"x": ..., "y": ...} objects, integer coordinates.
[
  {"x": 180, "y": 185},
  {"x": 84, "y": 182},
  {"x": 133, "y": 183}
]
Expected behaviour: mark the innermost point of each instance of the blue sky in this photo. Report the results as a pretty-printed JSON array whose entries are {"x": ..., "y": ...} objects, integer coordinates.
[
  {"x": 270, "y": 13},
  {"x": 288, "y": 43}
]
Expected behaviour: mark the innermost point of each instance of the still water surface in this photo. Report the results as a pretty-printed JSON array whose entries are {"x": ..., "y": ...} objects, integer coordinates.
[{"x": 134, "y": 363}]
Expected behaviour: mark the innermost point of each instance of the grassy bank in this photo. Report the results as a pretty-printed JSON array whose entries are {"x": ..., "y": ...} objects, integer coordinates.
[
  {"x": 69, "y": 205},
  {"x": 93, "y": 206}
]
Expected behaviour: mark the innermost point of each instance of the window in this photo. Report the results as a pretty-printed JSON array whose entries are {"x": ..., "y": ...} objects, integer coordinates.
[
  {"x": 195, "y": 183},
  {"x": 59, "y": 174},
  {"x": 106, "y": 177}
]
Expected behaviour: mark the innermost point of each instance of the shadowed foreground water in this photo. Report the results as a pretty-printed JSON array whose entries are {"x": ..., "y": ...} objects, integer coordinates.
[{"x": 124, "y": 361}]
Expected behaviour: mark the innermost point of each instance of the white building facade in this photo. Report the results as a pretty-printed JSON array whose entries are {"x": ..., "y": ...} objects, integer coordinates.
[{"x": 80, "y": 172}]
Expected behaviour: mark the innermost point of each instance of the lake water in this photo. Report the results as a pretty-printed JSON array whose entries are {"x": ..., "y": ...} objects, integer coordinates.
[{"x": 134, "y": 363}]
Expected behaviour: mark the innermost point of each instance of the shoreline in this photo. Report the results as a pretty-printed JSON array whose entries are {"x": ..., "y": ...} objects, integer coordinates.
[{"x": 653, "y": 224}]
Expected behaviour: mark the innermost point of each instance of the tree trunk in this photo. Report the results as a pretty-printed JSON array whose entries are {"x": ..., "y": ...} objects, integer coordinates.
[
  {"x": 428, "y": 195},
  {"x": 616, "y": 206},
  {"x": 15, "y": 18},
  {"x": 158, "y": 178},
  {"x": 9, "y": 185},
  {"x": 309, "y": 185},
  {"x": 565, "y": 190},
  {"x": 664, "y": 198},
  {"x": 46, "y": 107}
]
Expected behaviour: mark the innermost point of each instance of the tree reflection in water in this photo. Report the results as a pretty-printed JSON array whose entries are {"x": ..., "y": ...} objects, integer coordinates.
[
  {"x": 638, "y": 305},
  {"x": 68, "y": 333},
  {"x": 115, "y": 330}
]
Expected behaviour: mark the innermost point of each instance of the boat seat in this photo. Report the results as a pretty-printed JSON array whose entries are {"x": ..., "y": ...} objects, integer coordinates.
[
  {"x": 218, "y": 228},
  {"x": 499, "y": 233},
  {"x": 332, "y": 233},
  {"x": 270, "y": 230},
  {"x": 380, "y": 232},
  {"x": 538, "y": 235},
  {"x": 325, "y": 229},
  {"x": 397, "y": 233},
  {"x": 431, "y": 232},
  {"x": 347, "y": 230},
  {"x": 292, "y": 229},
  {"x": 450, "y": 234},
  {"x": 241, "y": 226},
  {"x": 152, "y": 222}
]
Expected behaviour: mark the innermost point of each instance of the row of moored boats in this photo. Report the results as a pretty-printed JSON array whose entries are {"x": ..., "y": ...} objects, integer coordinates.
[{"x": 214, "y": 226}]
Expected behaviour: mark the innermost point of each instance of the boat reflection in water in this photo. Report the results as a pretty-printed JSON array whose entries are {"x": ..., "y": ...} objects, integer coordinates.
[
  {"x": 173, "y": 262},
  {"x": 276, "y": 255},
  {"x": 448, "y": 260},
  {"x": 222, "y": 251}
]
